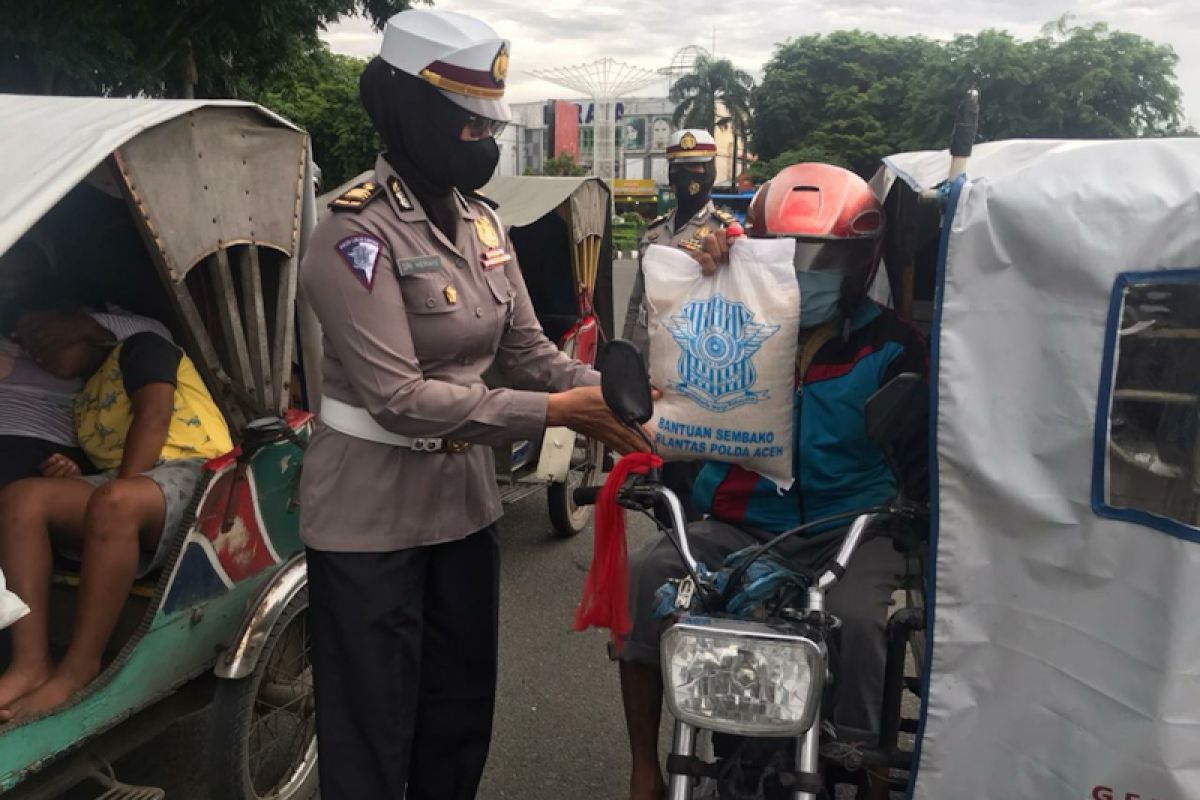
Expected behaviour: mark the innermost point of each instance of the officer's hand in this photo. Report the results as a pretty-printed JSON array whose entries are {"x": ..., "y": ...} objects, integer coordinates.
[
  {"x": 713, "y": 252},
  {"x": 582, "y": 409}
]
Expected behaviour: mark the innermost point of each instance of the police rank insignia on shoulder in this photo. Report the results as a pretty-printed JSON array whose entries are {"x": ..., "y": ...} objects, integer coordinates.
[
  {"x": 724, "y": 216},
  {"x": 486, "y": 232},
  {"x": 696, "y": 243},
  {"x": 355, "y": 198},
  {"x": 397, "y": 190},
  {"x": 360, "y": 253}
]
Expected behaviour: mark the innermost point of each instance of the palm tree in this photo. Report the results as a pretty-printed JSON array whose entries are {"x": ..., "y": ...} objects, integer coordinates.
[{"x": 715, "y": 94}]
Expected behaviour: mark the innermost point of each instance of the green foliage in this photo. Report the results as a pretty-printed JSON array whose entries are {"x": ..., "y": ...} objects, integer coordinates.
[
  {"x": 715, "y": 94},
  {"x": 319, "y": 92},
  {"x": 627, "y": 231},
  {"x": 852, "y": 97},
  {"x": 181, "y": 48},
  {"x": 761, "y": 170},
  {"x": 561, "y": 166}
]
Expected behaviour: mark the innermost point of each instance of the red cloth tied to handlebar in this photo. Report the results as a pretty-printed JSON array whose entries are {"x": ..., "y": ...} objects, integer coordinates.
[{"x": 605, "y": 601}]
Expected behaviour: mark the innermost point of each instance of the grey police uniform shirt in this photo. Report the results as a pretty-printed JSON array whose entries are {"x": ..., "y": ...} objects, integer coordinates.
[
  {"x": 409, "y": 337},
  {"x": 662, "y": 231}
]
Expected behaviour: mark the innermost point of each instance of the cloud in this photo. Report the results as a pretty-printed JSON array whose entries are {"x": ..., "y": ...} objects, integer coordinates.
[{"x": 557, "y": 33}]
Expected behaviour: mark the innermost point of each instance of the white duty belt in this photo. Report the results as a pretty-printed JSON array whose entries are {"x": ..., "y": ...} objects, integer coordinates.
[{"x": 358, "y": 422}]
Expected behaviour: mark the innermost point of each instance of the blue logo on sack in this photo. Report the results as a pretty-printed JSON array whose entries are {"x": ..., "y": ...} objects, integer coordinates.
[{"x": 718, "y": 340}]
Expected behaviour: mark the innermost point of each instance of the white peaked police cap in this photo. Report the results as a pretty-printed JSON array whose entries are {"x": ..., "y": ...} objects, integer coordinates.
[
  {"x": 460, "y": 55},
  {"x": 691, "y": 145}
]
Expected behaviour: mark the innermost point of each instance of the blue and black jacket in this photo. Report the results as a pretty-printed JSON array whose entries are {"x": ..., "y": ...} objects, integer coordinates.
[{"x": 837, "y": 468}]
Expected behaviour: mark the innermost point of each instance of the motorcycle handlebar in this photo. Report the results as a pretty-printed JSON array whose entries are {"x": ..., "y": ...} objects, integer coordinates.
[{"x": 587, "y": 496}]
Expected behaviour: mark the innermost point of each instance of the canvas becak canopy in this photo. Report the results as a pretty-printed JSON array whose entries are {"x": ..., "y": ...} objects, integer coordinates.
[
  {"x": 1065, "y": 657},
  {"x": 50, "y": 144}
]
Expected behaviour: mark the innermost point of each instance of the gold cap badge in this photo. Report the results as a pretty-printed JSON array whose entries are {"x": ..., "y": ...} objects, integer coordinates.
[
  {"x": 500, "y": 65},
  {"x": 688, "y": 142}
]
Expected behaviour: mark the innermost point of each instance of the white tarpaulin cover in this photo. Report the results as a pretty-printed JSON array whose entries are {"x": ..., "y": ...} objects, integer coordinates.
[
  {"x": 1066, "y": 638},
  {"x": 50, "y": 144}
]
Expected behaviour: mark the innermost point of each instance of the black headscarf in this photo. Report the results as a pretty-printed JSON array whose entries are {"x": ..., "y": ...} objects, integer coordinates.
[
  {"x": 692, "y": 189},
  {"x": 420, "y": 128}
]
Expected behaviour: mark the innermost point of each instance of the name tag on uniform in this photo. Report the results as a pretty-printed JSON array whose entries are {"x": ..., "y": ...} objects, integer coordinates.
[{"x": 418, "y": 265}]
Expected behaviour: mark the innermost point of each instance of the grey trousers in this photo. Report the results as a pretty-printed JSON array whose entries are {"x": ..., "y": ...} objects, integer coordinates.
[{"x": 861, "y": 600}]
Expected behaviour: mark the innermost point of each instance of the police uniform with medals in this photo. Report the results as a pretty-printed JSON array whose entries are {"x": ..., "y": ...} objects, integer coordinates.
[
  {"x": 686, "y": 147},
  {"x": 398, "y": 493},
  {"x": 692, "y": 193}
]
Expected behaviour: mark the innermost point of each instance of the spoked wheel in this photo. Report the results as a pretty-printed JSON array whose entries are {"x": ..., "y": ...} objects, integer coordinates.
[
  {"x": 266, "y": 735},
  {"x": 587, "y": 465}
]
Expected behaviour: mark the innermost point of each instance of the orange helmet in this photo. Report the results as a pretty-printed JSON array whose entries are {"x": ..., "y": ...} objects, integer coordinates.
[{"x": 831, "y": 212}]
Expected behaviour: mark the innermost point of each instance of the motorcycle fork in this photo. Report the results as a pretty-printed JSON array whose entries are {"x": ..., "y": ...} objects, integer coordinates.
[
  {"x": 684, "y": 746},
  {"x": 808, "y": 747}
]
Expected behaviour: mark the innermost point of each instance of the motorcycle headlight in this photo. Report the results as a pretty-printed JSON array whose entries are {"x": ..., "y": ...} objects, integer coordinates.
[{"x": 740, "y": 677}]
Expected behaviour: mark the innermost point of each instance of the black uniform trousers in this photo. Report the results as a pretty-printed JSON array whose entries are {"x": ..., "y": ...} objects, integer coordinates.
[{"x": 404, "y": 647}]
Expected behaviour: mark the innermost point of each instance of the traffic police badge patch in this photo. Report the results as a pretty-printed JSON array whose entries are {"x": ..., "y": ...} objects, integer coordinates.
[
  {"x": 717, "y": 341},
  {"x": 360, "y": 253}
]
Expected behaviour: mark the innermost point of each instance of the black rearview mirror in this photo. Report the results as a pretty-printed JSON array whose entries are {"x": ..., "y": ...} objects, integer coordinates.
[
  {"x": 625, "y": 382},
  {"x": 895, "y": 409}
]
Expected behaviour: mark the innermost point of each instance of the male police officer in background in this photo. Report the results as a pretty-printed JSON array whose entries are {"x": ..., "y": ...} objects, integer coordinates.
[{"x": 693, "y": 171}]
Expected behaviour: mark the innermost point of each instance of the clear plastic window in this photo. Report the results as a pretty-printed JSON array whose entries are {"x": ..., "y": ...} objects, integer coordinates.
[{"x": 1152, "y": 453}]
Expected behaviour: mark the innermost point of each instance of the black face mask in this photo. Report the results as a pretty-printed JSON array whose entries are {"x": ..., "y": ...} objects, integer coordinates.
[
  {"x": 466, "y": 165},
  {"x": 420, "y": 127},
  {"x": 692, "y": 189}
]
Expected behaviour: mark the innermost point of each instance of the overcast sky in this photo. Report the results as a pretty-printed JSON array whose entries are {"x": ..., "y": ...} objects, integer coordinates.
[{"x": 558, "y": 33}]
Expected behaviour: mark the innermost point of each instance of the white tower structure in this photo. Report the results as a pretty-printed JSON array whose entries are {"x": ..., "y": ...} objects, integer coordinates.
[
  {"x": 604, "y": 81},
  {"x": 683, "y": 63}
]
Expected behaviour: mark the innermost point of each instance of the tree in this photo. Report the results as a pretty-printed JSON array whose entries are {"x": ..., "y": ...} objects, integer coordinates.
[
  {"x": 843, "y": 95},
  {"x": 715, "y": 94},
  {"x": 319, "y": 92},
  {"x": 1070, "y": 82},
  {"x": 184, "y": 48},
  {"x": 562, "y": 166},
  {"x": 855, "y": 97}
]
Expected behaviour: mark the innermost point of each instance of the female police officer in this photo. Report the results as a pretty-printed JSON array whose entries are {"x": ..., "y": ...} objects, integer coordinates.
[{"x": 418, "y": 293}]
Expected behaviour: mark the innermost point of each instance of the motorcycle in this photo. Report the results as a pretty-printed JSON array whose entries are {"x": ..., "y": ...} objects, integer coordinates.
[{"x": 751, "y": 653}]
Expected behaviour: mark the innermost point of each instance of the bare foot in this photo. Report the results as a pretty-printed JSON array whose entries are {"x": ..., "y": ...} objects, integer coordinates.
[
  {"x": 51, "y": 694},
  {"x": 20, "y": 680}
]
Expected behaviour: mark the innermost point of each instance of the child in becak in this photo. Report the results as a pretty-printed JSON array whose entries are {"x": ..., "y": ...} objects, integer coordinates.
[{"x": 145, "y": 418}]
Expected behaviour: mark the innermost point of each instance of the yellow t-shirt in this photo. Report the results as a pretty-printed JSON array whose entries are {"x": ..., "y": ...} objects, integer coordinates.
[{"x": 104, "y": 411}]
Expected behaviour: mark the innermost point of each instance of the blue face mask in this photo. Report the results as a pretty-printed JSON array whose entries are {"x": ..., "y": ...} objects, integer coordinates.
[{"x": 819, "y": 293}]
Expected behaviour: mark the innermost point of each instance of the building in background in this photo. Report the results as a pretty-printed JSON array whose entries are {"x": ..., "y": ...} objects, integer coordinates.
[{"x": 545, "y": 129}]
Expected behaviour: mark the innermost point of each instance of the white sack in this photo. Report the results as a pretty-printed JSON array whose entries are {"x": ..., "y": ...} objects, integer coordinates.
[
  {"x": 11, "y": 607},
  {"x": 723, "y": 352}
]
